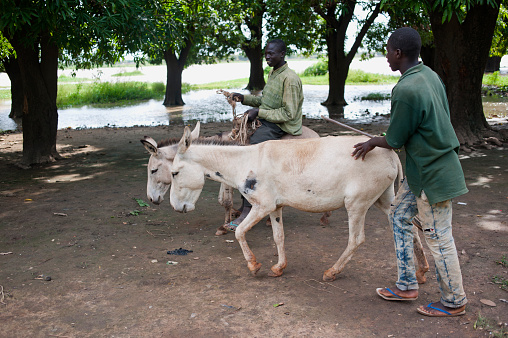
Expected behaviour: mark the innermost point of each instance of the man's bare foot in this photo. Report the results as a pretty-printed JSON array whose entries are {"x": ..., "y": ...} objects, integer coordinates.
[
  {"x": 234, "y": 224},
  {"x": 439, "y": 310},
  {"x": 397, "y": 294}
]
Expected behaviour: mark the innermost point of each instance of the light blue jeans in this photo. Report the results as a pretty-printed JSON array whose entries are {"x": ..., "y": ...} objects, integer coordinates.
[{"x": 436, "y": 222}]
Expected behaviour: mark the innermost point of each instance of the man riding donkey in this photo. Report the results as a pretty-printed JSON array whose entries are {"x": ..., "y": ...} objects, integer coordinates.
[
  {"x": 420, "y": 121},
  {"x": 279, "y": 109}
]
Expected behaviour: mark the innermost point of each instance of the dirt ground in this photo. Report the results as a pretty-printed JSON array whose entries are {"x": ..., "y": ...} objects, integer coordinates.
[{"x": 77, "y": 222}]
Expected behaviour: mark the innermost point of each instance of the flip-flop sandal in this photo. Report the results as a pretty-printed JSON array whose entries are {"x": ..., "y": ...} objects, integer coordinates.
[
  {"x": 441, "y": 313},
  {"x": 394, "y": 297},
  {"x": 231, "y": 226}
]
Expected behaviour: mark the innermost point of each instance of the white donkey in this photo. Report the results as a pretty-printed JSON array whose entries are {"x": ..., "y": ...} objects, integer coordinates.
[
  {"x": 314, "y": 175},
  {"x": 161, "y": 161}
]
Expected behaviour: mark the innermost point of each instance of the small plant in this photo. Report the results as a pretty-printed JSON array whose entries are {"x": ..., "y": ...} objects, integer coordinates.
[
  {"x": 503, "y": 262},
  {"x": 501, "y": 281},
  {"x": 141, "y": 203},
  {"x": 135, "y": 212}
]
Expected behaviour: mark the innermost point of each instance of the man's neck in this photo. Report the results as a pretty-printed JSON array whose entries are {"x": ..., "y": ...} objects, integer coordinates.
[
  {"x": 407, "y": 65},
  {"x": 279, "y": 65}
]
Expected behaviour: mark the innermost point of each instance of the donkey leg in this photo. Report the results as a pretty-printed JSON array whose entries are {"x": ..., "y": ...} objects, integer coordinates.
[
  {"x": 423, "y": 265},
  {"x": 226, "y": 200},
  {"x": 278, "y": 237},
  {"x": 324, "y": 221},
  {"x": 356, "y": 237},
  {"x": 252, "y": 219}
]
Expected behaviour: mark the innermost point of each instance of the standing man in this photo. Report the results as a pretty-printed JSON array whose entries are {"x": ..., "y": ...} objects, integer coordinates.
[
  {"x": 279, "y": 109},
  {"x": 420, "y": 121}
]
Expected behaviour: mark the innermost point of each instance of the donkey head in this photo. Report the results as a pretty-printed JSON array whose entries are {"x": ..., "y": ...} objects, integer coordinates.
[
  {"x": 159, "y": 166},
  {"x": 188, "y": 177}
]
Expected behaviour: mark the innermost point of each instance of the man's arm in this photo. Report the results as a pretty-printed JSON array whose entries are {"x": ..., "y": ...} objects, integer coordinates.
[{"x": 361, "y": 149}]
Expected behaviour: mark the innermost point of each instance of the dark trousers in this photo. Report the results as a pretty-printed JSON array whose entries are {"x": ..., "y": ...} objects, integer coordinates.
[{"x": 266, "y": 132}]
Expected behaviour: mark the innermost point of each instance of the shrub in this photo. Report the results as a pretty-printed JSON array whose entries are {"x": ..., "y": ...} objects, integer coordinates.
[{"x": 317, "y": 69}]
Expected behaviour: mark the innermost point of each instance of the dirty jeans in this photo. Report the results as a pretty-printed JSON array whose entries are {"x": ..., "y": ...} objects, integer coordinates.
[{"x": 436, "y": 222}]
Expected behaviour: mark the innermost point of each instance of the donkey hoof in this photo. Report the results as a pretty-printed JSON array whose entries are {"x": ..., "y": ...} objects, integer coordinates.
[
  {"x": 420, "y": 277},
  {"x": 254, "y": 268},
  {"x": 221, "y": 231},
  {"x": 275, "y": 272},
  {"x": 328, "y": 276}
]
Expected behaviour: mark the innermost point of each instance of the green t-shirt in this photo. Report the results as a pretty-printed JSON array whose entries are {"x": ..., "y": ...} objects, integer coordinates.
[
  {"x": 282, "y": 100},
  {"x": 420, "y": 121}
]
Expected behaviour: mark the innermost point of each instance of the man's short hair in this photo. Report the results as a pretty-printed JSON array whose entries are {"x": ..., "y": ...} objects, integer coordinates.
[
  {"x": 281, "y": 45},
  {"x": 407, "y": 40}
]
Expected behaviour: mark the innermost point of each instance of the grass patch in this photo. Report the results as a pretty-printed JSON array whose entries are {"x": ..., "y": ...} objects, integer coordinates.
[
  {"x": 375, "y": 97},
  {"x": 495, "y": 79},
  {"x": 5, "y": 94},
  {"x": 483, "y": 323},
  {"x": 502, "y": 282},
  {"x": 228, "y": 84},
  {"x": 106, "y": 93},
  {"x": 133, "y": 73}
]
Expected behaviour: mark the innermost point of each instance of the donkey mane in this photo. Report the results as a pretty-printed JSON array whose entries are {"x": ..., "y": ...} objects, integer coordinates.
[{"x": 212, "y": 141}]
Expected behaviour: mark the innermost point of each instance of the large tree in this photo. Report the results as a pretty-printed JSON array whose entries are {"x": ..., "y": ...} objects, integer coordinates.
[
  {"x": 40, "y": 31},
  {"x": 338, "y": 15},
  {"x": 463, "y": 32},
  {"x": 186, "y": 34},
  {"x": 9, "y": 65},
  {"x": 499, "y": 46}
]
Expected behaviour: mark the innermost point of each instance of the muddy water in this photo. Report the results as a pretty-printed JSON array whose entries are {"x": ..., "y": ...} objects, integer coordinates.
[{"x": 208, "y": 106}]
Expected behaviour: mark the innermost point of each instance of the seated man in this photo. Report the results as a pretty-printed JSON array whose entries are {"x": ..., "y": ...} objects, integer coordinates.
[{"x": 279, "y": 108}]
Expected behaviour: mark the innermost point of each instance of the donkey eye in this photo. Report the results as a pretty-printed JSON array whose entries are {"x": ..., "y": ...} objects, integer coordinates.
[
  {"x": 174, "y": 174},
  {"x": 154, "y": 171}
]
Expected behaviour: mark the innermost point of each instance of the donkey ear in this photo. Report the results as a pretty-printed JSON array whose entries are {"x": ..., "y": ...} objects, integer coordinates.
[
  {"x": 195, "y": 132},
  {"x": 185, "y": 142},
  {"x": 150, "y": 145}
]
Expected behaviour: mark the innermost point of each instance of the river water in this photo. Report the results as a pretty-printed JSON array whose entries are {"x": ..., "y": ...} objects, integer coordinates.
[{"x": 207, "y": 105}]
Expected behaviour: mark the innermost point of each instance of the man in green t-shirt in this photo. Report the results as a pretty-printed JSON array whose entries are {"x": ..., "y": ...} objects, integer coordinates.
[
  {"x": 420, "y": 122},
  {"x": 279, "y": 109}
]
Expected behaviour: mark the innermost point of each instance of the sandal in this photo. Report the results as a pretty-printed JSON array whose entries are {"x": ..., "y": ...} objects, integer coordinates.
[
  {"x": 424, "y": 310},
  {"x": 231, "y": 226}
]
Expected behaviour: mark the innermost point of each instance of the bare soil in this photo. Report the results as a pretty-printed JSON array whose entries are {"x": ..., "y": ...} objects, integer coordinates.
[{"x": 76, "y": 222}]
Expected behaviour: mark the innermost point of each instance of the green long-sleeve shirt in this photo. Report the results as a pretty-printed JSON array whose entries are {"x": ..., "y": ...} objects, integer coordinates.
[
  {"x": 420, "y": 121},
  {"x": 282, "y": 99}
]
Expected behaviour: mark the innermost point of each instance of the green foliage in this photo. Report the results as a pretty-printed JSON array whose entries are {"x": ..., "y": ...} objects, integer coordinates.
[
  {"x": 357, "y": 76},
  {"x": 87, "y": 33},
  {"x": 500, "y": 38},
  {"x": 375, "y": 97},
  {"x": 107, "y": 92},
  {"x": 141, "y": 203},
  {"x": 319, "y": 68},
  {"x": 494, "y": 79}
]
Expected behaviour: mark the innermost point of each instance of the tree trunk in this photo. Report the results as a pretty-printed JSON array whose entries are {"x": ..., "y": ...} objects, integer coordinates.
[
  {"x": 173, "y": 80},
  {"x": 338, "y": 61},
  {"x": 256, "y": 76},
  {"x": 461, "y": 54},
  {"x": 253, "y": 48},
  {"x": 493, "y": 64},
  {"x": 338, "y": 69},
  {"x": 17, "y": 99},
  {"x": 40, "y": 116},
  {"x": 428, "y": 55},
  {"x": 174, "y": 66}
]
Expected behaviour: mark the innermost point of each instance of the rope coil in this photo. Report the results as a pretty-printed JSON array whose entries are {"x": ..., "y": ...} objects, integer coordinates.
[{"x": 242, "y": 129}]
